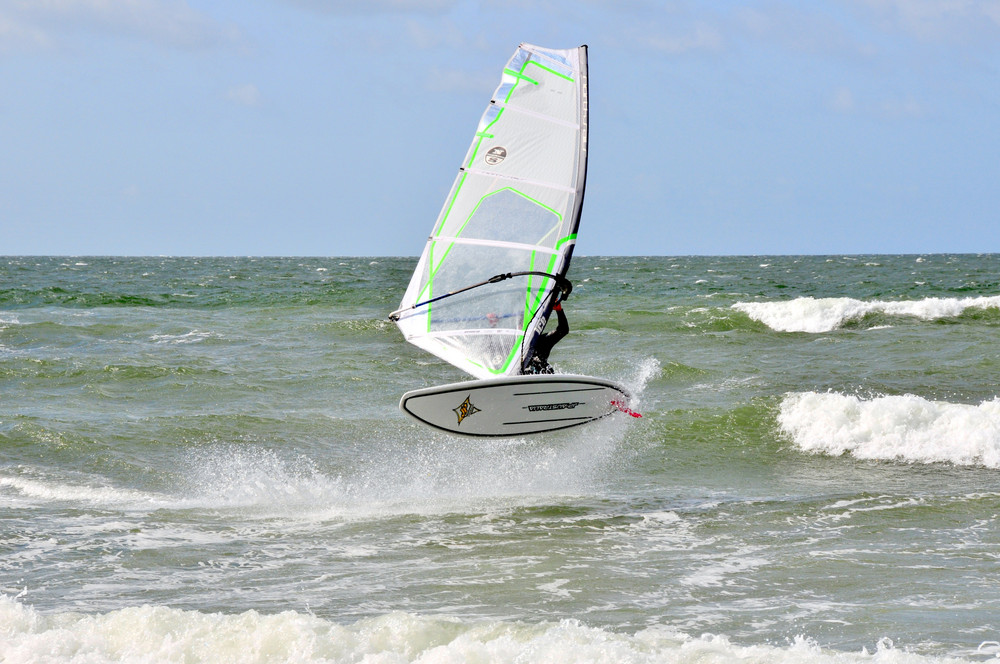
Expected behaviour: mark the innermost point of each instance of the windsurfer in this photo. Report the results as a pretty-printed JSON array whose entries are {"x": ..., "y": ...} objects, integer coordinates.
[{"x": 539, "y": 362}]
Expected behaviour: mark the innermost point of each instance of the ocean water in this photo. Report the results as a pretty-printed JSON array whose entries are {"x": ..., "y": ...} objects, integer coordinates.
[{"x": 203, "y": 460}]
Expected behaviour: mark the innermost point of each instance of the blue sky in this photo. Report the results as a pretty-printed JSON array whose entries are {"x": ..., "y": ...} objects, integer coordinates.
[{"x": 325, "y": 127}]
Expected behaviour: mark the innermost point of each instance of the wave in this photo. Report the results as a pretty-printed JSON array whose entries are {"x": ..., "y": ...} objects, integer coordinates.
[
  {"x": 809, "y": 314},
  {"x": 47, "y": 490},
  {"x": 906, "y": 428},
  {"x": 159, "y": 633}
]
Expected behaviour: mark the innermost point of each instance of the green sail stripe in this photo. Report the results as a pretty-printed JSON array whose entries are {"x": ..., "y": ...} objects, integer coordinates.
[
  {"x": 520, "y": 75},
  {"x": 551, "y": 71},
  {"x": 510, "y": 356},
  {"x": 564, "y": 240},
  {"x": 481, "y": 135},
  {"x": 527, "y": 295},
  {"x": 451, "y": 204}
]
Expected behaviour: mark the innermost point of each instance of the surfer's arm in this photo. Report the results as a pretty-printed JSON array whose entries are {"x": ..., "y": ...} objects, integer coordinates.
[{"x": 562, "y": 329}]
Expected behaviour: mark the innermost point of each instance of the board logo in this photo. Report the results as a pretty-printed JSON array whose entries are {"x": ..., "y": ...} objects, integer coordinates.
[
  {"x": 495, "y": 155},
  {"x": 555, "y": 406},
  {"x": 465, "y": 409}
]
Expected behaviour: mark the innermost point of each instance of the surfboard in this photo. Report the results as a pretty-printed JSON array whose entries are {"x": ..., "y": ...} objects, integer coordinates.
[
  {"x": 496, "y": 260},
  {"x": 515, "y": 406}
]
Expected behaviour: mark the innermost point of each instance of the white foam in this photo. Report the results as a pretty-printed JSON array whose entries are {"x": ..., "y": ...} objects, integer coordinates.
[
  {"x": 162, "y": 634},
  {"x": 906, "y": 428},
  {"x": 809, "y": 314},
  {"x": 45, "y": 490},
  {"x": 717, "y": 572},
  {"x": 194, "y": 336}
]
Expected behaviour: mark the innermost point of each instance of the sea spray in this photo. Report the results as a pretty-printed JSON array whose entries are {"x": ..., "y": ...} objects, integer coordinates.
[{"x": 414, "y": 471}]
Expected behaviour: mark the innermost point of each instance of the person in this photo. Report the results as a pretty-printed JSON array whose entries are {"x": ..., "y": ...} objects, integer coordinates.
[{"x": 539, "y": 362}]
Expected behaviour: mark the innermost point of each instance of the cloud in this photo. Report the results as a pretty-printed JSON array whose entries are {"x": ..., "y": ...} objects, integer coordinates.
[
  {"x": 170, "y": 23},
  {"x": 454, "y": 80},
  {"x": 673, "y": 32},
  {"x": 843, "y": 100},
  {"x": 797, "y": 29},
  {"x": 686, "y": 26},
  {"x": 902, "y": 108},
  {"x": 701, "y": 37},
  {"x": 938, "y": 20},
  {"x": 442, "y": 33},
  {"x": 244, "y": 95},
  {"x": 888, "y": 108},
  {"x": 356, "y": 7},
  {"x": 15, "y": 34}
]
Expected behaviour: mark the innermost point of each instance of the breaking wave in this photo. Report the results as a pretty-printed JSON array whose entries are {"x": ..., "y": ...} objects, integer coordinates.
[
  {"x": 906, "y": 428},
  {"x": 809, "y": 314},
  {"x": 164, "y": 634}
]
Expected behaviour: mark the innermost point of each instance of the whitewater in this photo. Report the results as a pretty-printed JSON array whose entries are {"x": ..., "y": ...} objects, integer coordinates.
[{"x": 203, "y": 461}]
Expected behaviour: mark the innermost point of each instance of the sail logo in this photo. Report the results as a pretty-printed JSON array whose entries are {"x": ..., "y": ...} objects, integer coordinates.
[
  {"x": 495, "y": 155},
  {"x": 465, "y": 409}
]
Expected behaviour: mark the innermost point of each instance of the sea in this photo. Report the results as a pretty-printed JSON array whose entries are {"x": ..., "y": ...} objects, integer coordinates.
[{"x": 202, "y": 460}]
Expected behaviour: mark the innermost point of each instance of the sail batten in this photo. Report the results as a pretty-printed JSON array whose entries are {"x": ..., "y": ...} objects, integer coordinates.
[
  {"x": 495, "y": 243},
  {"x": 540, "y": 116},
  {"x": 513, "y": 178},
  {"x": 513, "y": 209}
]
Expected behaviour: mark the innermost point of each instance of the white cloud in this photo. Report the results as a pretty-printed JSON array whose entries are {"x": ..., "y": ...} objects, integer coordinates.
[
  {"x": 167, "y": 22},
  {"x": 938, "y": 20},
  {"x": 376, "y": 6},
  {"x": 797, "y": 29},
  {"x": 454, "y": 80},
  {"x": 15, "y": 34},
  {"x": 441, "y": 34},
  {"x": 902, "y": 108},
  {"x": 244, "y": 95},
  {"x": 701, "y": 37},
  {"x": 843, "y": 100}
]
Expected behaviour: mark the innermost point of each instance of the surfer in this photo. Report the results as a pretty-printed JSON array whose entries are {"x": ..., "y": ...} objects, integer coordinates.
[{"x": 539, "y": 362}]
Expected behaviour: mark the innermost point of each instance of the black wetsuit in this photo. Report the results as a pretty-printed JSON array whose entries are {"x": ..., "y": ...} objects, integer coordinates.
[{"x": 539, "y": 363}]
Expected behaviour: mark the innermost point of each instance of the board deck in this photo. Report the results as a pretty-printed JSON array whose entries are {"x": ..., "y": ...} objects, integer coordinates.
[{"x": 515, "y": 405}]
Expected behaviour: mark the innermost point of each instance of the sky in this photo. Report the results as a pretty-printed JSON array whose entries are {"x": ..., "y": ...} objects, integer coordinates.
[{"x": 336, "y": 127}]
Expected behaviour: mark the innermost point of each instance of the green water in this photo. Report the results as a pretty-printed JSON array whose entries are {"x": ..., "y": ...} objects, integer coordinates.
[{"x": 221, "y": 434}]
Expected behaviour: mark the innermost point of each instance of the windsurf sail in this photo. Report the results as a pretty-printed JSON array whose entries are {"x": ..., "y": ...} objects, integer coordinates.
[{"x": 498, "y": 254}]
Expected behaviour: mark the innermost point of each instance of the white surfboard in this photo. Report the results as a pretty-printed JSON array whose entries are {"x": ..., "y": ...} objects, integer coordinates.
[{"x": 516, "y": 405}]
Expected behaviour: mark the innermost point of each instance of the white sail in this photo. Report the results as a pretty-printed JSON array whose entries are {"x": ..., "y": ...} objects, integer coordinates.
[{"x": 513, "y": 210}]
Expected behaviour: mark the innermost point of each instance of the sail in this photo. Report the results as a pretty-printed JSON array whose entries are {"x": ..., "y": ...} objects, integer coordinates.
[{"x": 513, "y": 209}]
